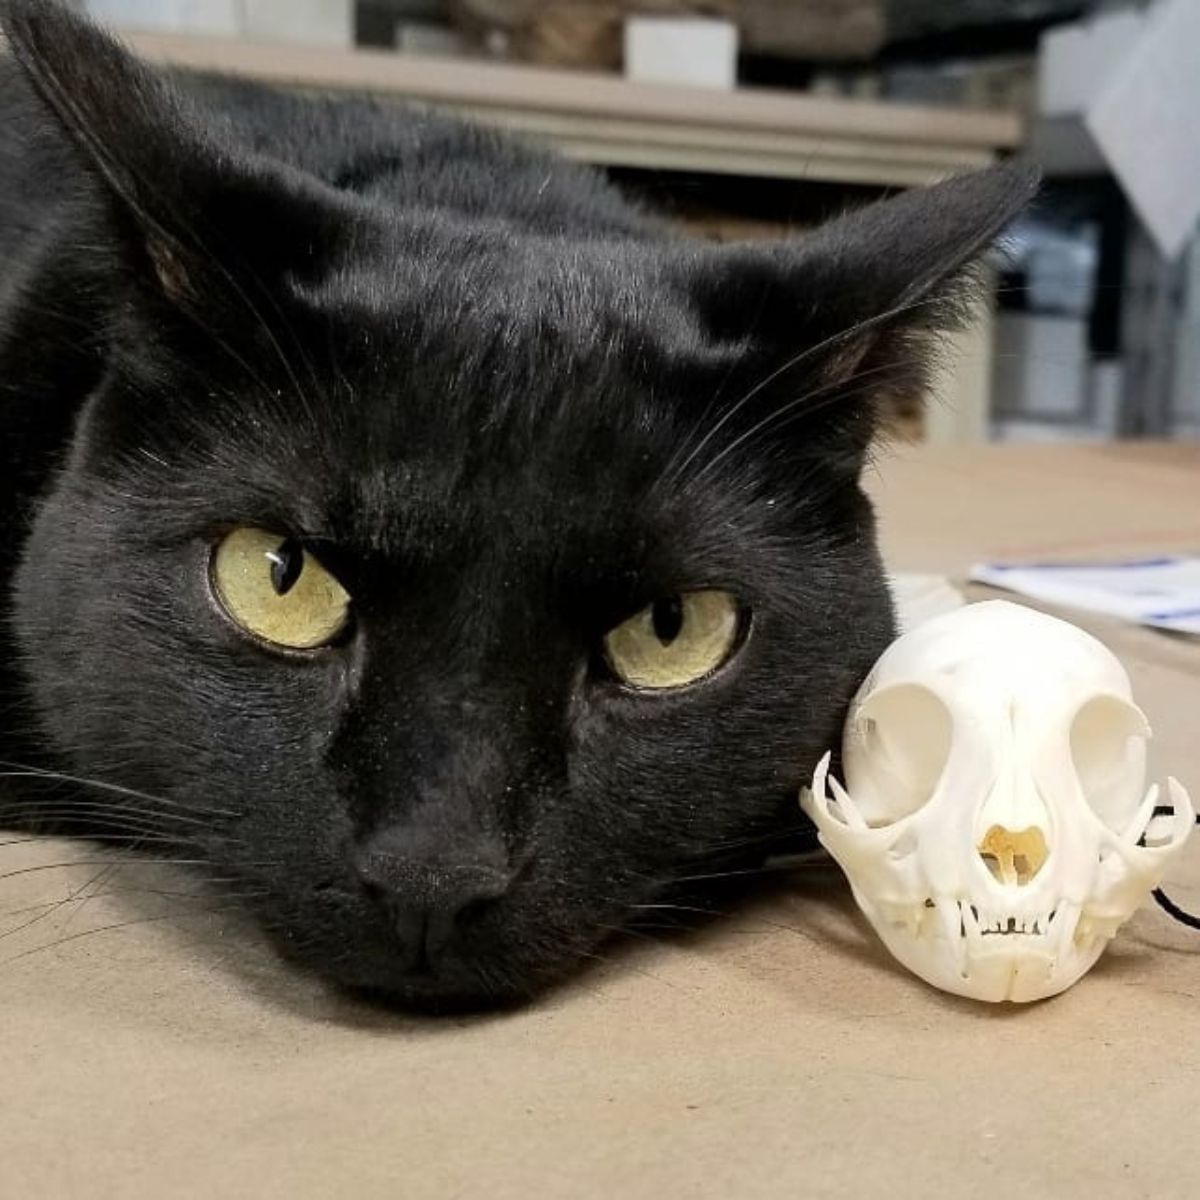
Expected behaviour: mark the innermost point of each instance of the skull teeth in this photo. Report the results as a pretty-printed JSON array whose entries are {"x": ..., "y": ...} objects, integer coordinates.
[
  {"x": 1008, "y": 926},
  {"x": 962, "y": 921}
]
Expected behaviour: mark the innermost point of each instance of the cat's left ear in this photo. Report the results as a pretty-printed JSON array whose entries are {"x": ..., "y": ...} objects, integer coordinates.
[
  {"x": 204, "y": 219},
  {"x": 840, "y": 321}
]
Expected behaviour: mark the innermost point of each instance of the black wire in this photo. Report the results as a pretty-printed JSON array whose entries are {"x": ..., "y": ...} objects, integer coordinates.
[
  {"x": 1169, "y": 906},
  {"x": 1164, "y": 901}
]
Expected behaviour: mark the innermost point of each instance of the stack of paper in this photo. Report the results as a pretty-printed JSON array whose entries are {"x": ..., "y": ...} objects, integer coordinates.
[{"x": 1162, "y": 592}]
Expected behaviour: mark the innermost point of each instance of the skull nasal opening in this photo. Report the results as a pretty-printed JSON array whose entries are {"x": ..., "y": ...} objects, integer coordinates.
[{"x": 1014, "y": 857}]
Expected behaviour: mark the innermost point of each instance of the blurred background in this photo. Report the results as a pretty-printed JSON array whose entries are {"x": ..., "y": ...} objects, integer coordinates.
[{"x": 748, "y": 118}]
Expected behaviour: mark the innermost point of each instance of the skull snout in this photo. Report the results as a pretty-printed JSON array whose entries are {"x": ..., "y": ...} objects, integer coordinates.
[{"x": 1014, "y": 856}]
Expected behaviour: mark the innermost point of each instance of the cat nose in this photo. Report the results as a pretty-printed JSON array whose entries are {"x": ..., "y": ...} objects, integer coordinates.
[{"x": 430, "y": 900}]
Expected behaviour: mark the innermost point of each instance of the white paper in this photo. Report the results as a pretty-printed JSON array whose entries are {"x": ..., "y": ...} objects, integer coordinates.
[
  {"x": 1076, "y": 60},
  {"x": 1146, "y": 123},
  {"x": 695, "y": 51},
  {"x": 920, "y": 597},
  {"x": 1160, "y": 592}
]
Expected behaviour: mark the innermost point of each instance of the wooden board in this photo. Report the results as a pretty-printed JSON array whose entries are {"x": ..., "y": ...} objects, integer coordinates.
[{"x": 612, "y": 122}]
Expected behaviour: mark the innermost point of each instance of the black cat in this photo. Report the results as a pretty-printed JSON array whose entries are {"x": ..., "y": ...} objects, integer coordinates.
[{"x": 410, "y": 530}]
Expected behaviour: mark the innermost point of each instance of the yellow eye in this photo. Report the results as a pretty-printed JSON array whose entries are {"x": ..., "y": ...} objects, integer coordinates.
[
  {"x": 276, "y": 590},
  {"x": 674, "y": 641}
]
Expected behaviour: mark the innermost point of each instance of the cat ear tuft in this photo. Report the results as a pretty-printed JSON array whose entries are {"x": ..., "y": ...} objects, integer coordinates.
[
  {"x": 122, "y": 116},
  {"x": 202, "y": 208},
  {"x": 851, "y": 313}
]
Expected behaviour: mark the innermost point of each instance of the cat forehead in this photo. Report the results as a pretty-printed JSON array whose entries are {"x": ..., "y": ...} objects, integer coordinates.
[
  {"x": 563, "y": 486},
  {"x": 563, "y": 501},
  {"x": 405, "y": 455},
  {"x": 485, "y": 280}
]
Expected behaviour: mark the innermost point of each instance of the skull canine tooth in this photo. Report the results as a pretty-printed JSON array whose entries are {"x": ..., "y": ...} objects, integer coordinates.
[
  {"x": 951, "y": 922},
  {"x": 974, "y": 934},
  {"x": 1066, "y": 919}
]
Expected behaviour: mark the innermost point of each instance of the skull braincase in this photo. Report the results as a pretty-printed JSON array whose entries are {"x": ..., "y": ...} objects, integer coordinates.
[{"x": 994, "y": 822}]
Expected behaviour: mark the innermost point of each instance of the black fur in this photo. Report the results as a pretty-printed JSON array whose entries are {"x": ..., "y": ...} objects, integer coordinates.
[{"x": 508, "y": 410}]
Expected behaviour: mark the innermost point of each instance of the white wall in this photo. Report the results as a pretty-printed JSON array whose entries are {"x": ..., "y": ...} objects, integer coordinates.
[{"x": 320, "y": 22}]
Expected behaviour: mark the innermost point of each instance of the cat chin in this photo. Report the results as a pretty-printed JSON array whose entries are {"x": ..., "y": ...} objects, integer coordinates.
[
  {"x": 455, "y": 988},
  {"x": 437, "y": 1001},
  {"x": 363, "y": 964}
]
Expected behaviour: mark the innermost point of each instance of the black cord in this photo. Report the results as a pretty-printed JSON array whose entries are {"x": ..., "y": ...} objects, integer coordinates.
[
  {"x": 1165, "y": 902},
  {"x": 1169, "y": 906}
]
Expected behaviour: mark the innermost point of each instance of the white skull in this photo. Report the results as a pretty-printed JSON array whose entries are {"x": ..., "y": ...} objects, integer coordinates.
[{"x": 994, "y": 824}]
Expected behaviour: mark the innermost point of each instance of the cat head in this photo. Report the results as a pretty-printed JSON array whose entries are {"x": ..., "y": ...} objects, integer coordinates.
[{"x": 458, "y": 584}]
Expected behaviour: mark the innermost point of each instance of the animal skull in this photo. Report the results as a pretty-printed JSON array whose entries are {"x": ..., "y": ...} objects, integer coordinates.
[{"x": 994, "y": 824}]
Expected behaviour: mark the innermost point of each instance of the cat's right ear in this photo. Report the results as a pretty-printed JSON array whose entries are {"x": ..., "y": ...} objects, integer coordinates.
[
  {"x": 825, "y": 333},
  {"x": 207, "y": 222}
]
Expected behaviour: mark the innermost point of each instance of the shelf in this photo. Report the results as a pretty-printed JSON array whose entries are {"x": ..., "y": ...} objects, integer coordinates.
[{"x": 610, "y": 121}]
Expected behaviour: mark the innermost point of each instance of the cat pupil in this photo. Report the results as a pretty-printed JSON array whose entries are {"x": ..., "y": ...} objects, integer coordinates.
[
  {"x": 286, "y": 564},
  {"x": 667, "y": 618}
]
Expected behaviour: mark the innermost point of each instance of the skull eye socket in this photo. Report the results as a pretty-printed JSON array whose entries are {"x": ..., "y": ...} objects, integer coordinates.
[
  {"x": 1108, "y": 750},
  {"x": 896, "y": 749}
]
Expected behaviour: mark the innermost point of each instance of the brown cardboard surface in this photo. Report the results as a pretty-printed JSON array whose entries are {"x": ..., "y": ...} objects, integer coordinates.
[{"x": 778, "y": 1052}]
